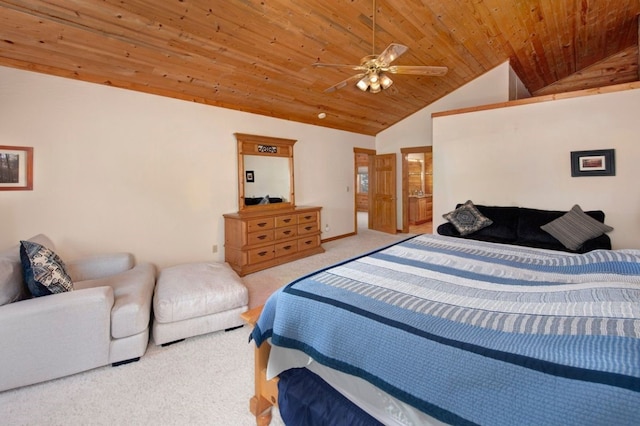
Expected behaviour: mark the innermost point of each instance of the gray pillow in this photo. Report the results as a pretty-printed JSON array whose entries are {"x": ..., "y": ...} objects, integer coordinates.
[
  {"x": 575, "y": 227},
  {"x": 467, "y": 219}
]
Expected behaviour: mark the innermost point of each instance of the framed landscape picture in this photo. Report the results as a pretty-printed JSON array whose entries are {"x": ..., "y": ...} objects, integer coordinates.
[
  {"x": 16, "y": 168},
  {"x": 599, "y": 162}
]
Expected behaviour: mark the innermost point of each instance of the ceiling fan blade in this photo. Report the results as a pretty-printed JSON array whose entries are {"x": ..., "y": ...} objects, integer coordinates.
[
  {"x": 391, "y": 53},
  {"x": 343, "y": 83},
  {"x": 353, "y": 67},
  {"x": 417, "y": 70}
]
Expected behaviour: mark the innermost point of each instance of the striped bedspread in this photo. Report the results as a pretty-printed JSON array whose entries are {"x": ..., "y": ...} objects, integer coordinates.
[{"x": 476, "y": 333}]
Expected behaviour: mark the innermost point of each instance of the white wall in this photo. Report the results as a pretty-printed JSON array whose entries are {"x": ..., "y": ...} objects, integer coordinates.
[
  {"x": 520, "y": 156},
  {"x": 416, "y": 130},
  {"x": 126, "y": 171},
  {"x": 517, "y": 89}
]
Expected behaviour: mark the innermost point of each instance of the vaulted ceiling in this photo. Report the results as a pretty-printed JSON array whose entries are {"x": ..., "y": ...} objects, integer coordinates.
[{"x": 257, "y": 55}]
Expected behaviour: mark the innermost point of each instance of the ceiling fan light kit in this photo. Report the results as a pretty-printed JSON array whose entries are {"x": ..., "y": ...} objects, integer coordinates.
[
  {"x": 372, "y": 68},
  {"x": 374, "y": 82},
  {"x": 363, "y": 84},
  {"x": 385, "y": 82}
]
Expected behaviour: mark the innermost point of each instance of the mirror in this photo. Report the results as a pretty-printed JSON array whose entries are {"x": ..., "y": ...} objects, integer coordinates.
[
  {"x": 416, "y": 174},
  {"x": 420, "y": 174},
  {"x": 266, "y": 176},
  {"x": 265, "y": 172}
]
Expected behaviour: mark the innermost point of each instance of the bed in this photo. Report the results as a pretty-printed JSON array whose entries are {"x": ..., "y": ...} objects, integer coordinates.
[{"x": 442, "y": 330}]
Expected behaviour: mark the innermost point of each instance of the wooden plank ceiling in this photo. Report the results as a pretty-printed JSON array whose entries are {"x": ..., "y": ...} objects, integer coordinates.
[{"x": 256, "y": 55}]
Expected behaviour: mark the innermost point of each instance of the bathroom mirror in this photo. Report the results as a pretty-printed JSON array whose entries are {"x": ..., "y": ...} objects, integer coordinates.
[{"x": 265, "y": 172}]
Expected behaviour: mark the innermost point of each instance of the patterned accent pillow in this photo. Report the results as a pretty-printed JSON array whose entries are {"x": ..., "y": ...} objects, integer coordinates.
[
  {"x": 575, "y": 227},
  {"x": 44, "y": 272},
  {"x": 467, "y": 219}
]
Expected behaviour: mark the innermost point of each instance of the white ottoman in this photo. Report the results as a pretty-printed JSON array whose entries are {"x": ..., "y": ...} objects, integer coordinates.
[{"x": 197, "y": 298}]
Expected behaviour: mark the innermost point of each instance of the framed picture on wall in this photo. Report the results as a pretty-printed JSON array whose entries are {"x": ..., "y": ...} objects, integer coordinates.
[
  {"x": 16, "y": 168},
  {"x": 599, "y": 162}
]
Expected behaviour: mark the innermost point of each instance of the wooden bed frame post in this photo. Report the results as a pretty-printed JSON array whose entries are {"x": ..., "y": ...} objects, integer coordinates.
[
  {"x": 259, "y": 405},
  {"x": 266, "y": 391}
]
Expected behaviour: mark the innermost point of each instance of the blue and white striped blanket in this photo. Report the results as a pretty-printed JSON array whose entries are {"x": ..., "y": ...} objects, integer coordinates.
[{"x": 476, "y": 333}]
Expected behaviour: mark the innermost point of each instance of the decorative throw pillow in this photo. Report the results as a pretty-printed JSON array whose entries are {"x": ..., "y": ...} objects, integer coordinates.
[
  {"x": 44, "y": 272},
  {"x": 575, "y": 227},
  {"x": 467, "y": 219}
]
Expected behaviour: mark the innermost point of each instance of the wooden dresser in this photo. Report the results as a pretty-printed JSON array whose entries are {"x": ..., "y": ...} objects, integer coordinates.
[{"x": 262, "y": 239}]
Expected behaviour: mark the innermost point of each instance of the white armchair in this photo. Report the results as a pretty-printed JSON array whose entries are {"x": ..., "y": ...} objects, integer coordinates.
[{"x": 104, "y": 320}]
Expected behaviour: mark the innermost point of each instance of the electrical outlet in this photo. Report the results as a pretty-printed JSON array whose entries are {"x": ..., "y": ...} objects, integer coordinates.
[
  {"x": 215, "y": 248},
  {"x": 326, "y": 228}
]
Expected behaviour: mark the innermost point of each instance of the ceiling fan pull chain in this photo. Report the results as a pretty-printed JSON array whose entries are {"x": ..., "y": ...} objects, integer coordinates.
[{"x": 373, "y": 29}]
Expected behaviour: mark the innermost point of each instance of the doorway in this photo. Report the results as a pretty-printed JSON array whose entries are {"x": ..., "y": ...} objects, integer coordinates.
[
  {"x": 417, "y": 190},
  {"x": 361, "y": 187}
]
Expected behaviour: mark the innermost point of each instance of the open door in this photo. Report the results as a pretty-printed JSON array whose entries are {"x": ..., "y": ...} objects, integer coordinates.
[{"x": 382, "y": 193}]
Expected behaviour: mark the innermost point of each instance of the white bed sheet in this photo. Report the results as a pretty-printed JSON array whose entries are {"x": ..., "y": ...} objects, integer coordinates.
[{"x": 377, "y": 403}]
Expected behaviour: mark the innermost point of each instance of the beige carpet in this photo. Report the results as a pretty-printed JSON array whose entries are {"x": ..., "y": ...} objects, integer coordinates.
[{"x": 205, "y": 380}]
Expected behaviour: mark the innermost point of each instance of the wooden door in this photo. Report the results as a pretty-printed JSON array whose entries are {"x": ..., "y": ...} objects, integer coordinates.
[{"x": 382, "y": 193}]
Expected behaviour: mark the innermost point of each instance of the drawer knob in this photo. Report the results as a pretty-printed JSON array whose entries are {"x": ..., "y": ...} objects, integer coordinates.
[
  {"x": 308, "y": 217},
  {"x": 263, "y": 253},
  {"x": 308, "y": 228},
  {"x": 287, "y": 220},
  {"x": 307, "y": 242},
  {"x": 262, "y": 237},
  {"x": 287, "y": 247},
  {"x": 261, "y": 224},
  {"x": 286, "y": 232}
]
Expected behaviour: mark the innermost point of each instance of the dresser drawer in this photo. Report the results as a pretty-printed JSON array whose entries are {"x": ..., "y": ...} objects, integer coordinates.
[
  {"x": 254, "y": 225},
  {"x": 283, "y": 249},
  {"x": 287, "y": 220},
  {"x": 308, "y": 228},
  {"x": 307, "y": 218},
  {"x": 260, "y": 254},
  {"x": 288, "y": 232},
  {"x": 260, "y": 237},
  {"x": 308, "y": 243}
]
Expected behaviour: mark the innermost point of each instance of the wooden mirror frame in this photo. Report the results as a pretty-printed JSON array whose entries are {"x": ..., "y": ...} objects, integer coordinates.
[{"x": 268, "y": 147}]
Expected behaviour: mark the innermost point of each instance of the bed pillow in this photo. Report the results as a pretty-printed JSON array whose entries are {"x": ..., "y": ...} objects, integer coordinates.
[
  {"x": 44, "y": 272},
  {"x": 467, "y": 219},
  {"x": 575, "y": 227}
]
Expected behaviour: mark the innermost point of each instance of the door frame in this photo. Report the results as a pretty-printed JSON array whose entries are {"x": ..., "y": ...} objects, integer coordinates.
[
  {"x": 405, "y": 180},
  {"x": 356, "y": 151}
]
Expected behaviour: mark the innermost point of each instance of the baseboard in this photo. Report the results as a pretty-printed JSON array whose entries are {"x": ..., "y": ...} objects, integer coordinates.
[
  {"x": 350, "y": 234},
  {"x": 339, "y": 237}
]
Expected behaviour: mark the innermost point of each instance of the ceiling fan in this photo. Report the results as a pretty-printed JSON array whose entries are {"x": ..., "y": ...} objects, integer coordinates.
[{"x": 374, "y": 68}]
